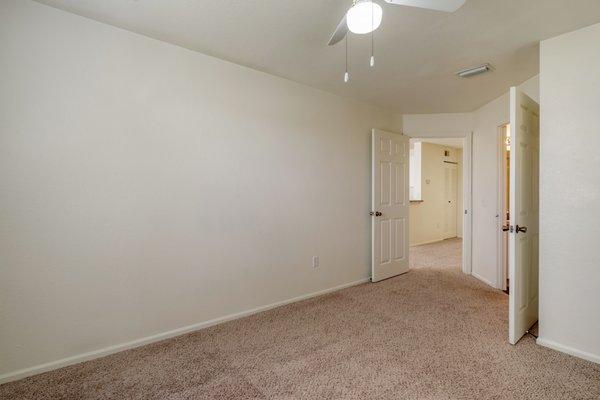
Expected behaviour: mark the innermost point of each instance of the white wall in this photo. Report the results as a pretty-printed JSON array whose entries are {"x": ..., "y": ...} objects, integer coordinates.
[
  {"x": 416, "y": 151},
  {"x": 570, "y": 193},
  {"x": 147, "y": 188},
  {"x": 483, "y": 123},
  {"x": 437, "y": 125},
  {"x": 486, "y": 207},
  {"x": 531, "y": 88}
]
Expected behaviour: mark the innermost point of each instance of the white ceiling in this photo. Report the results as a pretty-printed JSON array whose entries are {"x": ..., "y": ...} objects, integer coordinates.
[{"x": 417, "y": 51}]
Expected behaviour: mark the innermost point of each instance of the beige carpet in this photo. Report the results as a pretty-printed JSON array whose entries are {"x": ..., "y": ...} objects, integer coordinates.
[{"x": 430, "y": 334}]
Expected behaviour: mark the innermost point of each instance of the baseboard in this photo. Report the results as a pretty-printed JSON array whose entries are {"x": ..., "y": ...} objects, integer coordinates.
[
  {"x": 38, "y": 369},
  {"x": 433, "y": 241},
  {"x": 569, "y": 350},
  {"x": 429, "y": 242},
  {"x": 482, "y": 279}
]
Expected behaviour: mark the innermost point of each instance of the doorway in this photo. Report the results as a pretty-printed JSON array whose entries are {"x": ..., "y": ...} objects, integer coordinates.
[
  {"x": 391, "y": 173},
  {"x": 436, "y": 211}
]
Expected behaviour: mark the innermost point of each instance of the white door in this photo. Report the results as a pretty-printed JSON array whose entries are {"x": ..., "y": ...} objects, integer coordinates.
[
  {"x": 450, "y": 199},
  {"x": 390, "y": 204},
  {"x": 524, "y": 214}
]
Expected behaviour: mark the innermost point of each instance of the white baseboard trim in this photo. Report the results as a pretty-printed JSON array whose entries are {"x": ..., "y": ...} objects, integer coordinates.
[
  {"x": 38, "y": 369},
  {"x": 433, "y": 241},
  {"x": 429, "y": 242},
  {"x": 569, "y": 350},
  {"x": 482, "y": 279}
]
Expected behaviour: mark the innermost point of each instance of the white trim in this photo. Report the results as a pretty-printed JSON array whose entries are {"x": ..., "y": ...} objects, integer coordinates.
[
  {"x": 500, "y": 261},
  {"x": 467, "y": 250},
  {"x": 482, "y": 279},
  {"x": 38, "y": 369},
  {"x": 429, "y": 242},
  {"x": 568, "y": 350}
]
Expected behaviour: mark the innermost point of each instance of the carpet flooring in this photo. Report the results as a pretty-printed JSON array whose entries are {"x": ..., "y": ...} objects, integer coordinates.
[{"x": 432, "y": 333}]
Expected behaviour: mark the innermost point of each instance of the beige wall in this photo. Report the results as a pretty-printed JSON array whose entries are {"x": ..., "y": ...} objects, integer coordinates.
[
  {"x": 148, "y": 189},
  {"x": 570, "y": 193},
  {"x": 427, "y": 217}
]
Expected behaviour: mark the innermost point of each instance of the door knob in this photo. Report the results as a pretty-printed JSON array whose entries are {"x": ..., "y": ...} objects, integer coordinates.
[
  {"x": 376, "y": 213},
  {"x": 521, "y": 229}
]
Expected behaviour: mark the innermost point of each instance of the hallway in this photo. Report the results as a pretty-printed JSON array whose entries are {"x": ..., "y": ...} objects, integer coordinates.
[{"x": 441, "y": 255}]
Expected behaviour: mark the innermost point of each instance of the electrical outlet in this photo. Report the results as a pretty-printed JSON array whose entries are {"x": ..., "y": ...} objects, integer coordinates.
[{"x": 315, "y": 261}]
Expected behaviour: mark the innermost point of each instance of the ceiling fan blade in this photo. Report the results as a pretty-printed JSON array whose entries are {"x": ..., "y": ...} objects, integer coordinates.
[
  {"x": 340, "y": 32},
  {"x": 438, "y": 5}
]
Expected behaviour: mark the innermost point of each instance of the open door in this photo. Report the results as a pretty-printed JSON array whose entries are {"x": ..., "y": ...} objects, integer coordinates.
[
  {"x": 390, "y": 205},
  {"x": 523, "y": 240}
]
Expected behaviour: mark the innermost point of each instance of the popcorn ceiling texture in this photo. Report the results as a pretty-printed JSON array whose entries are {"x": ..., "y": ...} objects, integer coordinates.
[{"x": 432, "y": 333}]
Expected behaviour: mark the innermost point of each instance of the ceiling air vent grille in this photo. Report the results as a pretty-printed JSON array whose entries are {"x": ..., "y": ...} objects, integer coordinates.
[{"x": 469, "y": 72}]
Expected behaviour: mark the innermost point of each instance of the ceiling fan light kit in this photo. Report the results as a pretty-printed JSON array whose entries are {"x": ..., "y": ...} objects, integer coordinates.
[{"x": 365, "y": 16}]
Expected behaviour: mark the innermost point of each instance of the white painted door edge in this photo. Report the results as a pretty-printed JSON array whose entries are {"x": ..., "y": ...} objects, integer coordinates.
[{"x": 467, "y": 245}]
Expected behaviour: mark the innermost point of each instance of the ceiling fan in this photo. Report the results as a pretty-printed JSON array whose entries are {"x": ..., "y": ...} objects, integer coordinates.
[{"x": 365, "y": 15}]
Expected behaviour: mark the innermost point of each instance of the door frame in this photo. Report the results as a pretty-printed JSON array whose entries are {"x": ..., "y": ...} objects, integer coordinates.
[
  {"x": 501, "y": 275},
  {"x": 467, "y": 177}
]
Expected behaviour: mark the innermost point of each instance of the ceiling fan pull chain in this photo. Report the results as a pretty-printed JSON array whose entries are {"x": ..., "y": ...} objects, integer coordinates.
[
  {"x": 346, "y": 75},
  {"x": 372, "y": 62}
]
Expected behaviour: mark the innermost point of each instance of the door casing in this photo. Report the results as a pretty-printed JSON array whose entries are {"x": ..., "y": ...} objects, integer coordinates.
[{"x": 467, "y": 190}]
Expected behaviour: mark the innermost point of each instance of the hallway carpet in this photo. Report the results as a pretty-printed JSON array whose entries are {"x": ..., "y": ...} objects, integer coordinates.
[{"x": 432, "y": 333}]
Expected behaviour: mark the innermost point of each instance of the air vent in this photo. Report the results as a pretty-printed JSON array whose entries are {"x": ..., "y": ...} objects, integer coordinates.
[{"x": 469, "y": 72}]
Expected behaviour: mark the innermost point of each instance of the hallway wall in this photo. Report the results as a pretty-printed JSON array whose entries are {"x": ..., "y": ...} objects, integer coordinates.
[{"x": 427, "y": 217}]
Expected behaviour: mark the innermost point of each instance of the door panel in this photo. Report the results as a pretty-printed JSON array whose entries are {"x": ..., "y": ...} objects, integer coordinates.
[
  {"x": 390, "y": 198},
  {"x": 399, "y": 231},
  {"x": 385, "y": 176},
  {"x": 524, "y": 213}
]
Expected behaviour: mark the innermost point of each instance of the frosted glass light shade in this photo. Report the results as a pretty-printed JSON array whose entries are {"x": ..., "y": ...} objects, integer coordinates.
[{"x": 364, "y": 17}]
